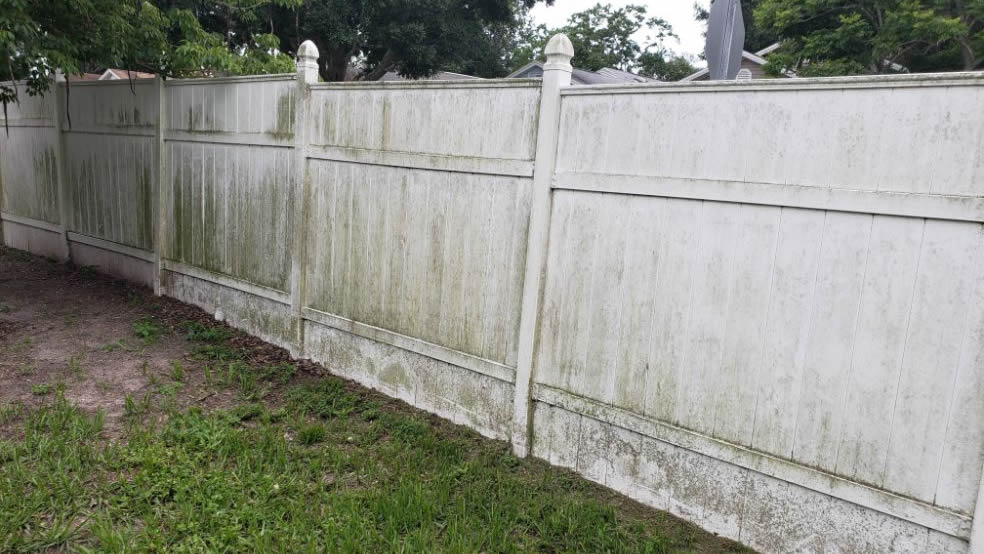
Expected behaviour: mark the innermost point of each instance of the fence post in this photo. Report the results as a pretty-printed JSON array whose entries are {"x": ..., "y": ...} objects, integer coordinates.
[
  {"x": 307, "y": 74},
  {"x": 556, "y": 74},
  {"x": 160, "y": 176},
  {"x": 64, "y": 198}
]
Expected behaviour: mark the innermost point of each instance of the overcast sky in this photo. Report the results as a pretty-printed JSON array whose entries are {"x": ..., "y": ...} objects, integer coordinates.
[{"x": 679, "y": 13}]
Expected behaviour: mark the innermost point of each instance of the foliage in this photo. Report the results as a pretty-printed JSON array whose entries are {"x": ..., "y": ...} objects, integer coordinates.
[
  {"x": 604, "y": 36},
  {"x": 164, "y": 37},
  {"x": 363, "y": 39},
  {"x": 236, "y": 481},
  {"x": 841, "y": 37}
]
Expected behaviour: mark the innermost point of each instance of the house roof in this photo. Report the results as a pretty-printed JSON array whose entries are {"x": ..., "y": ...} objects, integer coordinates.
[
  {"x": 756, "y": 58},
  {"x": 439, "y": 76},
  {"x": 113, "y": 74},
  {"x": 604, "y": 76}
]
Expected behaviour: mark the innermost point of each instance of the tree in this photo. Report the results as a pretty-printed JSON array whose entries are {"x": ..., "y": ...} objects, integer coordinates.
[
  {"x": 844, "y": 37},
  {"x": 604, "y": 36},
  {"x": 665, "y": 66},
  {"x": 74, "y": 36},
  {"x": 363, "y": 39}
]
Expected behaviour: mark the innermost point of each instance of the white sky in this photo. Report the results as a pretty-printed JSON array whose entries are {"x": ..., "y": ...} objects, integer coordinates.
[{"x": 679, "y": 13}]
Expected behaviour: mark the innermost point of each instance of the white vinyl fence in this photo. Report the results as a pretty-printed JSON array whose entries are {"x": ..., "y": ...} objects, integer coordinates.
[{"x": 757, "y": 305}]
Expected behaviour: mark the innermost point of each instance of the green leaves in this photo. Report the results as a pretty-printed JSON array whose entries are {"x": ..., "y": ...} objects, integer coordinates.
[{"x": 842, "y": 37}]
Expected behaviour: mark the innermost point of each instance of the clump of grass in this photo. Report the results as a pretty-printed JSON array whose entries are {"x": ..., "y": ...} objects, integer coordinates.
[
  {"x": 218, "y": 352},
  {"x": 135, "y": 407},
  {"x": 147, "y": 330},
  {"x": 177, "y": 371},
  {"x": 326, "y": 398},
  {"x": 113, "y": 346},
  {"x": 41, "y": 389},
  {"x": 75, "y": 366},
  {"x": 4, "y": 309},
  {"x": 312, "y": 433},
  {"x": 196, "y": 332}
]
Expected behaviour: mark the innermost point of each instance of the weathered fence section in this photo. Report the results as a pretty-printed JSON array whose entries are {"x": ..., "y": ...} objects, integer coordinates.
[
  {"x": 29, "y": 177},
  {"x": 110, "y": 158},
  {"x": 419, "y": 200},
  {"x": 785, "y": 281},
  {"x": 228, "y": 171},
  {"x": 757, "y": 306}
]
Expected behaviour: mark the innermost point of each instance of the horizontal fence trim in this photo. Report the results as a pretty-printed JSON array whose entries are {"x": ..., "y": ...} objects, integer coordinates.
[
  {"x": 418, "y": 160},
  {"x": 135, "y": 82},
  {"x": 31, "y": 222},
  {"x": 237, "y": 139},
  {"x": 908, "y": 509},
  {"x": 474, "y": 363},
  {"x": 145, "y": 255},
  {"x": 973, "y": 78},
  {"x": 226, "y": 281},
  {"x": 931, "y": 206},
  {"x": 28, "y": 122},
  {"x": 464, "y": 83},
  {"x": 238, "y": 79},
  {"x": 131, "y": 131}
]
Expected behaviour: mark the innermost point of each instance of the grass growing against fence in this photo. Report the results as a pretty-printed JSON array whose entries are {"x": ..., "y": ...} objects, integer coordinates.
[{"x": 331, "y": 471}]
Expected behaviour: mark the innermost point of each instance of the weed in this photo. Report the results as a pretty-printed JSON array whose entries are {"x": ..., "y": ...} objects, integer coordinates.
[
  {"x": 177, "y": 371},
  {"x": 196, "y": 332},
  {"x": 218, "y": 352},
  {"x": 11, "y": 412},
  {"x": 146, "y": 330},
  {"x": 137, "y": 407},
  {"x": 4, "y": 309},
  {"x": 325, "y": 398},
  {"x": 114, "y": 346},
  {"x": 312, "y": 433},
  {"x": 75, "y": 366},
  {"x": 207, "y": 375},
  {"x": 42, "y": 389},
  {"x": 26, "y": 369}
]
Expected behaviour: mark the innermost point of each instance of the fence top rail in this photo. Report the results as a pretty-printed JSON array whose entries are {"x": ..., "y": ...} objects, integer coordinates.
[
  {"x": 144, "y": 81},
  {"x": 914, "y": 80},
  {"x": 433, "y": 84},
  {"x": 236, "y": 79}
]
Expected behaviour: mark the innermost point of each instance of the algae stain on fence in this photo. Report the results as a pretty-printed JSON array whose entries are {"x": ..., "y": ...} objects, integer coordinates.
[
  {"x": 45, "y": 207},
  {"x": 286, "y": 112}
]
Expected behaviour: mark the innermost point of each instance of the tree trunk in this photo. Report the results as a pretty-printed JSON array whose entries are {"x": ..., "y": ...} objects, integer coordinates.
[
  {"x": 970, "y": 61},
  {"x": 334, "y": 61},
  {"x": 381, "y": 68}
]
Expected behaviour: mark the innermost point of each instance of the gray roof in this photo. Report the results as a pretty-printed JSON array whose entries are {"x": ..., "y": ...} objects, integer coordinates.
[
  {"x": 439, "y": 76},
  {"x": 604, "y": 76}
]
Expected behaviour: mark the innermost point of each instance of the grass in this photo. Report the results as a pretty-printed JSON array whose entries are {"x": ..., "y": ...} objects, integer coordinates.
[
  {"x": 147, "y": 330},
  {"x": 315, "y": 475}
]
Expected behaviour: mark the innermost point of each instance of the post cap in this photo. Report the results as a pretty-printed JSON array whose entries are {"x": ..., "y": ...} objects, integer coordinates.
[
  {"x": 307, "y": 51},
  {"x": 559, "y": 49}
]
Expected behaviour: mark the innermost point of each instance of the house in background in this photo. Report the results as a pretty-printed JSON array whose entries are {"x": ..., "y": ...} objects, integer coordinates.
[
  {"x": 604, "y": 76},
  {"x": 752, "y": 66},
  {"x": 117, "y": 74},
  {"x": 439, "y": 76}
]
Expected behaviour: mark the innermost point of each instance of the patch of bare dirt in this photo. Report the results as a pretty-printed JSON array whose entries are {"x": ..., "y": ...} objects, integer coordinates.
[{"x": 66, "y": 326}]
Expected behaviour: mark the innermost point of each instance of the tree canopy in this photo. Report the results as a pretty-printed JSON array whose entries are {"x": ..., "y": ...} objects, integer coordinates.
[
  {"x": 604, "y": 36},
  {"x": 845, "y": 37},
  {"x": 165, "y": 37}
]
